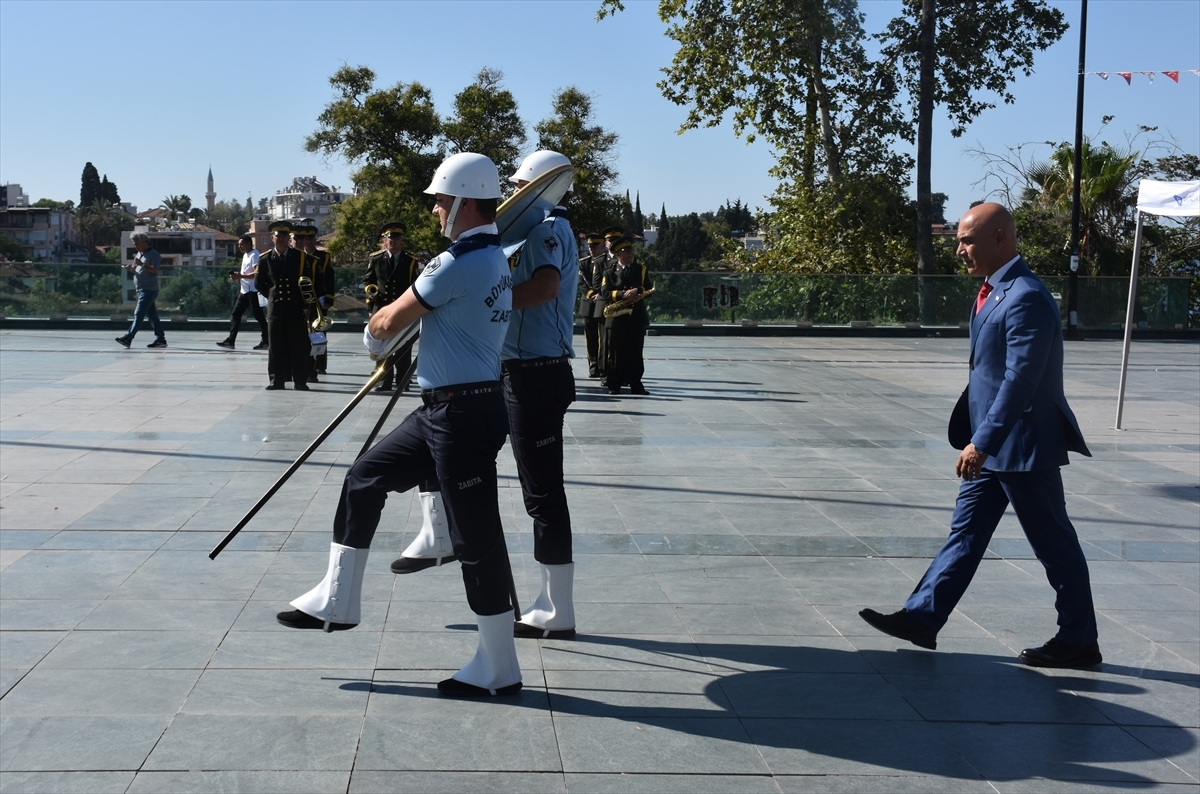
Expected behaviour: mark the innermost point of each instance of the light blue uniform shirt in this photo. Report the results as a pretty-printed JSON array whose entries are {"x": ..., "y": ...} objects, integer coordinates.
[
  {"x": 545, "y": 331},
  {"x": 468, "y": 291}
]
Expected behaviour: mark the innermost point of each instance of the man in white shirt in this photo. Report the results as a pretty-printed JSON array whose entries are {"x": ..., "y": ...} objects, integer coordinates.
[{"x": 247, "y": 296}]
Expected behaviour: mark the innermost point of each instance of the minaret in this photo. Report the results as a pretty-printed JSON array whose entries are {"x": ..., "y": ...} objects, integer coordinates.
[{"x": 211, "y": 195}]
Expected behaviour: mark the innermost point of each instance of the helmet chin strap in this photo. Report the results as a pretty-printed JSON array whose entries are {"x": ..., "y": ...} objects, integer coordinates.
[{"x": 452, "y": 215}]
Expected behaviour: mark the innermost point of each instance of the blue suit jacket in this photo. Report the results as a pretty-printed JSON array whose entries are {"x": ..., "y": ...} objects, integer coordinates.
[{"x": 1019, "y": 414}]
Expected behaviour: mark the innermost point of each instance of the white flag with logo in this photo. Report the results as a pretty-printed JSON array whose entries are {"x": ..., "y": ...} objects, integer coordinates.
[{"x": 1180, "y": 199}]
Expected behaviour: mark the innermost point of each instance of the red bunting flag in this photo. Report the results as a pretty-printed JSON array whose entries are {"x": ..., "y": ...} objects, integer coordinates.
[
  {"x": 1173, "y": 75},
  {"x": 1127, "y": 75}
]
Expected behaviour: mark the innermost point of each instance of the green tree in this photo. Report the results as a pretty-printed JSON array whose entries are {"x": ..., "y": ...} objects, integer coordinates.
[
  {"x": 486, "y": 121},
  {"x": 11, "y": 249},
  {"x": 53, "y": 205},
  {"x": 89, "y": 190},
  {"x": 100, "y": 224},
  {"x": 950, "y": 54},
  {"x": 108, "y": 191},
  {"x": 176, "y": 204},
  {"x": 571, "y": 131},
  {"x": 391, "y": 135}
]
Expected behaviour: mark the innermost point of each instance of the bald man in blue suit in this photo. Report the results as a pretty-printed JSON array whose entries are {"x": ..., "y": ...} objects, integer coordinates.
[{"x": 1021, "y": 429}]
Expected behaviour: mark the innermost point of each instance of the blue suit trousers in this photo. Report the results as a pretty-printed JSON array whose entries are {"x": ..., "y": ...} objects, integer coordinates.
[{"x": 1038, "y": 500}]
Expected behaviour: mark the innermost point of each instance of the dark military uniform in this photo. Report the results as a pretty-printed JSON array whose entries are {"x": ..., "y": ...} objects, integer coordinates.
[
  {"x": 393, "y": 275},
  {"x": 625, "y": 336},
  {"x": 591, "y": 276},
  {"x": 287, "y": 325},
  {"x": 316, "y": 266}
]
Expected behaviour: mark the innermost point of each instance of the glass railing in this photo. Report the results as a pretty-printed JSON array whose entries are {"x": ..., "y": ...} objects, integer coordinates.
[{"x": 62, "y": 291}]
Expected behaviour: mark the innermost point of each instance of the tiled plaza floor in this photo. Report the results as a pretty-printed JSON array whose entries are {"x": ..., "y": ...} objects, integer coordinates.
[{"x": 728, "y": 529}]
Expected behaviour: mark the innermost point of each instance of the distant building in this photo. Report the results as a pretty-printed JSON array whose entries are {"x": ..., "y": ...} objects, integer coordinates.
[
  {"x": 41, "y": 231},
  {"x": 11, "y": 195},
  {"x": 306, "y": 198},
  {"x": 225, "y": 243},
  {"x": 262, "y": 237},
  {"x": 211, "y": 195}
]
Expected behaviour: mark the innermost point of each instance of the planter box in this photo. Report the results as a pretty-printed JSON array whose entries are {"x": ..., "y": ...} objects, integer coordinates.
[
  {"x": 179, "y": 318},
  {"x": 119, "y": 318},
  {"x": 749, "y": 323},
  {"x": 58, "y": 315},
  {"x": 859, "y": 324},
  {"x": 693, "y": 323},
  {"x": 913, "y": 326},
  {"x": 804, "y": 323}
]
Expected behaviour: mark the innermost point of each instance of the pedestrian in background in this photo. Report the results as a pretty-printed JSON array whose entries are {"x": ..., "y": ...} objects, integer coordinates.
[
  {"x": 247, "y": 296},
  {"x": 145, "y": 267}
]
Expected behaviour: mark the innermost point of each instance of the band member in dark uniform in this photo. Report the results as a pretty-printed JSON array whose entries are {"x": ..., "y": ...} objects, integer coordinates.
[
  {"x": 625, "y": 335},
  {"x": 390, "y": 273},
  {"x": 287, "y": 326},
  {"x": 591, "y": 303},
  {"x": 316, "y": 266}
]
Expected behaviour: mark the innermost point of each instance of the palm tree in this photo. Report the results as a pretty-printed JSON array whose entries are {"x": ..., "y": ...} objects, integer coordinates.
[
  {"x": 1106, "y": 194},
  {"x": 176, "y": 204}
]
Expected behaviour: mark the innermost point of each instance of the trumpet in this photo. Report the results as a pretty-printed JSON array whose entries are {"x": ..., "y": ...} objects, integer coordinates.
[
  {"x": 372, "y": 291},
  {"x": 623, "y": 307},
  {"x": 320, "y": 321}
]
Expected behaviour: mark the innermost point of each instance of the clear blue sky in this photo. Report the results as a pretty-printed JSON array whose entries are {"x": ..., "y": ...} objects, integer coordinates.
[{"x": 153, "y": 93}]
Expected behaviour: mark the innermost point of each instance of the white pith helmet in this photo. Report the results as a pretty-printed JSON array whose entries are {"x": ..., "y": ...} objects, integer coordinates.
[
  {"x": 537, "y": 164},
  {"x": 466, "y": 175}
]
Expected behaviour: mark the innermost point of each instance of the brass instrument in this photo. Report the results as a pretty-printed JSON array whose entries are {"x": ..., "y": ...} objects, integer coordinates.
[
  {"x": 623, "y": 307},
  {"x": 321, "y": 321},
  {"x": 372, "y": 290}
]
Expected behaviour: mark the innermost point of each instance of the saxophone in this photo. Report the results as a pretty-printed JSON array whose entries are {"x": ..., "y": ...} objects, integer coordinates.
[{"x": 623, "y": 307}]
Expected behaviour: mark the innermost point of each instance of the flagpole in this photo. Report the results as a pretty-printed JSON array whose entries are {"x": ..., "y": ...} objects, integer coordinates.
[{"x": 1073, "y": 276}]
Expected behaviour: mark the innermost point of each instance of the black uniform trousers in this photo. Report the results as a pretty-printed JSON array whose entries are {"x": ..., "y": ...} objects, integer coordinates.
[
  {"x": 287, "y": 358},
  {"x": 455, "y": 442},
  {"x": 593, "y": 327},
  {"x": 624, "y": 339},
  {"x": 247, "y": 300},
  {"x": 538, "y": 393}
]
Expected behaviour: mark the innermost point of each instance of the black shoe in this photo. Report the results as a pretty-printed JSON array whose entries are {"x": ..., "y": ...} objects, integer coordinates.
[
  {"x": 227, "y": 344},
  {"x": 160, "y": 342},
  {"x": 528, "y": 631},
  {"x": 594, "y": 374},
  {"x": 638, "y": 388},
  {"x": 302, "y": 620},
  {"x": 458, "y": 689},
  {"x": 275, "y": 387},
  {"x": 321, "y": 372},
  {"x": 123, "y": 341},
  {"x": 382, "y": 387},
  {"x": 414, "y": 564},
  {"x": 902, "y": 625},
  {"x": 261, "y": 346},
  {"x": 1057, "y": 653},
  {"x": 615, "y": 391},
  {"x": 301, "y": 387},
  {"x": 313, "y": 379}
]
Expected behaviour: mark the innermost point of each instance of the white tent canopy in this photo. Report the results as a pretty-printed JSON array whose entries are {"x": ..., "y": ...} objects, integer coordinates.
[{"x": 1173, "y": 199}]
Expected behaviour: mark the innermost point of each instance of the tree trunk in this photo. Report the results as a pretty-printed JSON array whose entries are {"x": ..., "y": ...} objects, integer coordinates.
[
  {"x": 928, "y": 61},
  {"x": 833, "y": 157}
]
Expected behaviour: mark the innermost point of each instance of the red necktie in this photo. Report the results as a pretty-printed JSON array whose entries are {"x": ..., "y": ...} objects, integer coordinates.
[{"x": 984, "y": 291}]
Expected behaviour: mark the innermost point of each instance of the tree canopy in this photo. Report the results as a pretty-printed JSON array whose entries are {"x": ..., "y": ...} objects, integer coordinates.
[{"x": 571, "y": 130}]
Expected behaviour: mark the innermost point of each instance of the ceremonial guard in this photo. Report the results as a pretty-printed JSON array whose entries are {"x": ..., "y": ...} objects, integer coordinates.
[
  {"x": 625, "y": 281},
  {"x": 463, "y": 299},
  {"x": 390, "y": 273},
  {"x": 538, "y": 388},
  {"x": 591, "y": 303},
  {"x": 278, "y": 278},
  {"x": 316, "y": 267}
]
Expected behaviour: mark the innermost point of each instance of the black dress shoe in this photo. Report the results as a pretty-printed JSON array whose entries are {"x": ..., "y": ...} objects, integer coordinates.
[
  {"x": 458, "y": 689},
  {"x": 902, "y": 625},
  {"x": 275, "y": 387},
  {"x": 302, "y": 620},
  {"x": 1057, "y": 653},
  {"x": 262, "y": 346},
  {"x": 382, "y": 387},
  {"x": 638, "y": 388},
  {"x": 414, "y": 564},
  {"x": 123, "y": 341},
  {"x": 525, "y": 630},
  {"x": 301, "y": 387}
]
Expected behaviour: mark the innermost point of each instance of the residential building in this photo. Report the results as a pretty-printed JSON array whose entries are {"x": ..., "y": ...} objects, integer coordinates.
[
  {"x": 41, "y": 231},
  {"x": 11, "y": 195},
  {"x": 306, "y": 198}
]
